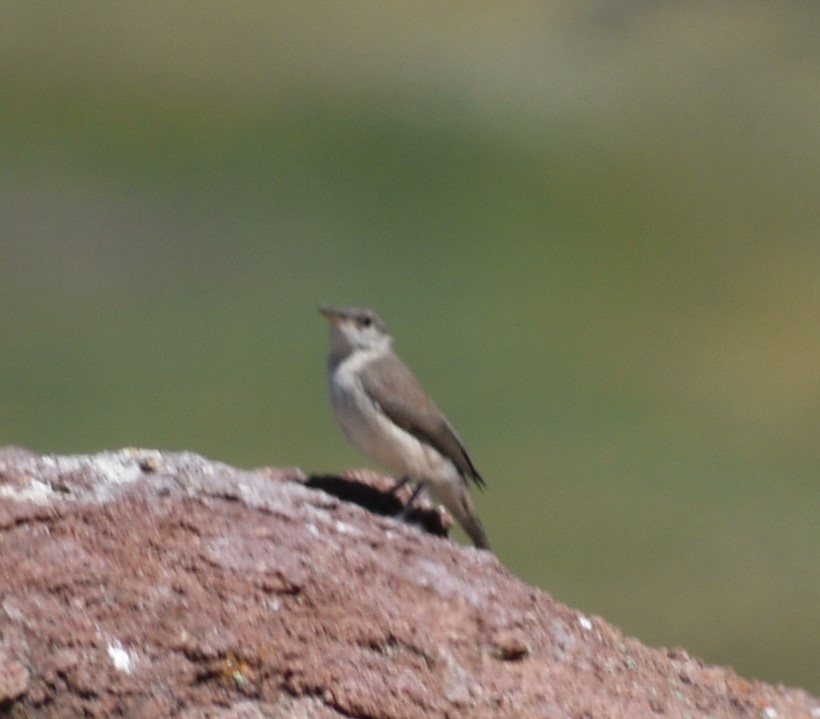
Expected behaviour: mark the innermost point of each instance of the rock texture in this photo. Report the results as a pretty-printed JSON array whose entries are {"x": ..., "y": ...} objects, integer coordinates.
[{"x": 148, "y": 584}]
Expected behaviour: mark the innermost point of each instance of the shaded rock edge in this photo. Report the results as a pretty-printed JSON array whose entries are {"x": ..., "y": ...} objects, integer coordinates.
[{"x": 142, "y": 583}]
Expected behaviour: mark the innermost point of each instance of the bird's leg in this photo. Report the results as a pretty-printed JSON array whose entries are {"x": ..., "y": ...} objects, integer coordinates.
[
  {"x": 399, "y": 484},
  {"x": 409, "y": 504},
  {"x": 405, "y": 510}
]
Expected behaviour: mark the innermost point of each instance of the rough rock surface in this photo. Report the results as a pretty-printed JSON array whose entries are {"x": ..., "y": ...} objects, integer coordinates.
[{"x": 148, "y": 584}]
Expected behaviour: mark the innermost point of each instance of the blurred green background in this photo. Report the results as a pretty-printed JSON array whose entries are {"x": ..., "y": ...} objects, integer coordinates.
[{"x": 593, "y": 227}]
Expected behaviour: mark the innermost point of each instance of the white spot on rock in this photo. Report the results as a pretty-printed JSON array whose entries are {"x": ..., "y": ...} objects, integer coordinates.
[
  {"x": 37, "y": 492},
  {"x": 345, "y": 528},
  {"x": 122, "y": 659}
]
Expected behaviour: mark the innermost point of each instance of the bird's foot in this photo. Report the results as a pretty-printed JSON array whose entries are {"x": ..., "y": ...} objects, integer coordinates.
[
  {"x": 399, "y": 484},
  {"x": 408, "y": 505}
]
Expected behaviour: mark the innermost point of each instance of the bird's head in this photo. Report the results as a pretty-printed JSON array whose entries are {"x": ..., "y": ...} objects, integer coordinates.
[{"x": 356, "y": 328}]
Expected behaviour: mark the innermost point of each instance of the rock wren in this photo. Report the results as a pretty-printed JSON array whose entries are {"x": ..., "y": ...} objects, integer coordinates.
[{"x": 384, "y": 411}]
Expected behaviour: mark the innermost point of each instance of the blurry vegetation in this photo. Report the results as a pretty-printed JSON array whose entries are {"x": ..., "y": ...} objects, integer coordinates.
[{"x": 593, "y": 229}]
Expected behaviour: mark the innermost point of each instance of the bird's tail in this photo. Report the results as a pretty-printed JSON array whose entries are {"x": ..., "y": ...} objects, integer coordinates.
[{"x": 462, "y": 508}]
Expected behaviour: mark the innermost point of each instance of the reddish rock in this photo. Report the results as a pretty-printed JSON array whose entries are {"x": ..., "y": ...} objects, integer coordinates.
[{"x": 148, "y": 584}]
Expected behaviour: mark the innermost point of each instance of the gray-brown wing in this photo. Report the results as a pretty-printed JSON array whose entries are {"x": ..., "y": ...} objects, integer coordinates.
[{"x": 394, "y": 388}]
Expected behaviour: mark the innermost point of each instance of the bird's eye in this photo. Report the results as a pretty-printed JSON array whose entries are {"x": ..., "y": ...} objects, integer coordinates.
[{"x": 365, "y": 321}]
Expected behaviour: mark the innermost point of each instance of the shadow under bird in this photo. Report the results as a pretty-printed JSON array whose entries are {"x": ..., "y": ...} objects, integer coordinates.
[{"x": 384, "y": 411}]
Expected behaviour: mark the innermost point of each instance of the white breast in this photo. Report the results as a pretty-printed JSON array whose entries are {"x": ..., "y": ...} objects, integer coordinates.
[{"x": 369, "y": 429}]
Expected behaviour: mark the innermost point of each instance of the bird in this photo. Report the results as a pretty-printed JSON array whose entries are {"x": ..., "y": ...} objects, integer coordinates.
[{"x": 384, "y": 411}]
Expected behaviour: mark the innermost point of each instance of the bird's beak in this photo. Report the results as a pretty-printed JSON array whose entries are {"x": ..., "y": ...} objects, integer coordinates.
[{"x": 332, "y": 316}]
